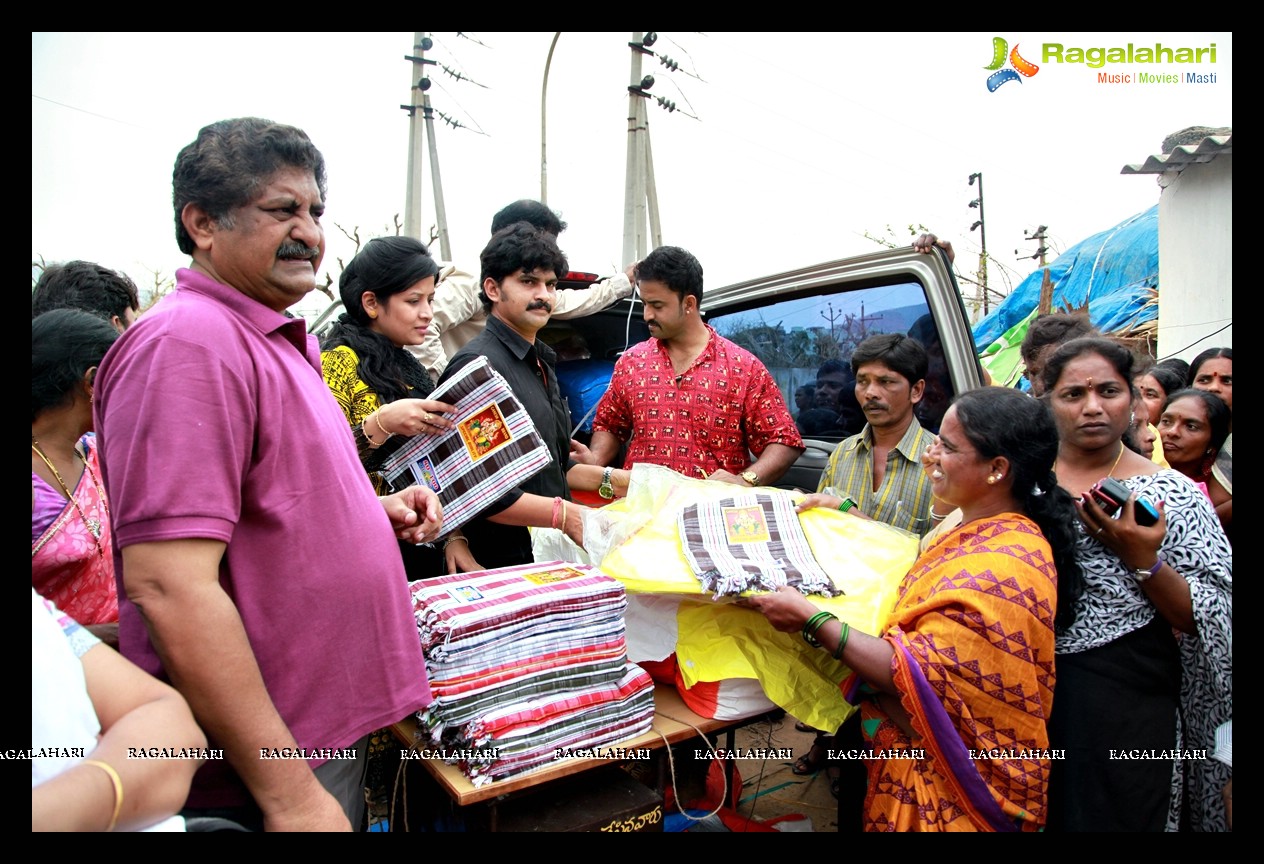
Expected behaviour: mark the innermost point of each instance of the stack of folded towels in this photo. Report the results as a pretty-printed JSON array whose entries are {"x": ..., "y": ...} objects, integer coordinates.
[{"x": 526, "y": 661}]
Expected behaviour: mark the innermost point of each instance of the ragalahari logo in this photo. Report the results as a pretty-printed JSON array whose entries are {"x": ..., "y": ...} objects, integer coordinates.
[{"x": 1020, "y": 67}]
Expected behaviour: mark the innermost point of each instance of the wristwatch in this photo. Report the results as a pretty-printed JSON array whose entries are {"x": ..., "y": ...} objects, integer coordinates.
[
  {"x": 751, "y": 478},
  {"x": 1142, "y": 574},
  {"x": 606, "y": 490}
]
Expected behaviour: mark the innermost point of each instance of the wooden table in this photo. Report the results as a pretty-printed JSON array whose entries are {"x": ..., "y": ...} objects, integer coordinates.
[{"x": 673, "y": 723}]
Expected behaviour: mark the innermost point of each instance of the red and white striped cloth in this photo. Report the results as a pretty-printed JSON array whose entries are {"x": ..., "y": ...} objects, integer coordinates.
[
  {"x": 480, "y": 610},
  {"x": 525, "y": 661},
  {"x": 528, "y": 735}
]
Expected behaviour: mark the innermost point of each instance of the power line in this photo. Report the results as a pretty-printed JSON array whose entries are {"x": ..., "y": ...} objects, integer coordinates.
[
  {"x": 91, "y": 113},
  {"x": 1201, "y": 339}
]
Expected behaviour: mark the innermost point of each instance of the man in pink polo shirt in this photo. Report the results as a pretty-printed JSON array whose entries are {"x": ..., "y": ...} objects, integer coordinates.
[{"x": 260, "y": 571}]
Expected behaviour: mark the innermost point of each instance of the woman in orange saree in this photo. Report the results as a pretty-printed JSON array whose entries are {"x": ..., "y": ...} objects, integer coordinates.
[{"x": 956, "y": 692}]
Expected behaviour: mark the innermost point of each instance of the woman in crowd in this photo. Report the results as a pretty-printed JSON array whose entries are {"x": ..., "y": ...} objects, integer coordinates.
[
  {"x": 966, "y": 665},
  {"x": 1212, "y": 370},
  {"x": 84, "y": 696},
  {"x": 1155, "y": 384},
  {"x": 1124, "y": 678},
  {"x": 386, "y": 292},
  {"x": 1194, "y": 426},
  {"x": 1141, "y": 437},
  {"x": 72, "y": 554}
]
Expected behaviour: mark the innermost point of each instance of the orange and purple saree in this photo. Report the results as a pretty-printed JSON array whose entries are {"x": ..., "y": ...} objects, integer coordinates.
[{"x": 973, "y": 636}]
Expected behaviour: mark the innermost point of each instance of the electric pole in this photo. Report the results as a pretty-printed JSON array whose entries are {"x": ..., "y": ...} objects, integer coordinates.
[
  {"x": 978, "y": 202},
  {"x": 412, "y": 201},
  {"x": 1040, "y": 237},
  {"x": 640, "y": 198},
  {"x": 1043, "y": 306},
  {"x": 412, "y": 196}
]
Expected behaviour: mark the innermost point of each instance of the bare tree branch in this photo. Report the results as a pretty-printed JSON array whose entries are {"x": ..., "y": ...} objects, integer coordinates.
[
  {"x": 162, "y": 286},
  {"x": 353, "y": 235},
  {"x": 327, "y": 288}
]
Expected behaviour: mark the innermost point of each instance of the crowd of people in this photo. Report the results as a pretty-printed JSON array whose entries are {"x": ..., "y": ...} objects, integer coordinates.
[{"x": 207, "y": 498}]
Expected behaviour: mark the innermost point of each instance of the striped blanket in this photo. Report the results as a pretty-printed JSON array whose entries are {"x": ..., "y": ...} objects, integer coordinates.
[
  {"x": 750, "y": 541},
  {"x": 477, "y": 611},
  {"x": 527, "y": 735},
  {"x": 525, "y": 660},
  {"x": 492, "y": 448}
]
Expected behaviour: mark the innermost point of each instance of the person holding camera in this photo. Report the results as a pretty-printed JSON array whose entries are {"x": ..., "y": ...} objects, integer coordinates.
[{"x": 1145, "y": 669}]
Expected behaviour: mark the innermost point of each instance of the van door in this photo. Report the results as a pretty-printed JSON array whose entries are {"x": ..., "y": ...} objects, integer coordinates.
[{"x": 805, "y": 324}]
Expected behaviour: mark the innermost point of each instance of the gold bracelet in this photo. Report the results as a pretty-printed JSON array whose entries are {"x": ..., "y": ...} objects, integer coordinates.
[
  {"x": 563, "y": 515},
  {"x": 455, "y": 538},
  {"x": 378, "y": 421},
  {"x": 118, "y": 789}
]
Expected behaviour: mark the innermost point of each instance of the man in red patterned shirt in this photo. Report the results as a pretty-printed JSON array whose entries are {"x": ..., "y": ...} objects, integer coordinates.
[{"x": 688, "y": 398}]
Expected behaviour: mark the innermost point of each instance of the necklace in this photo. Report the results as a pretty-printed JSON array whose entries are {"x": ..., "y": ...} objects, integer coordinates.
[
  {"x": 1113, "y": 466},
  {"x": 94, "y": 525}
]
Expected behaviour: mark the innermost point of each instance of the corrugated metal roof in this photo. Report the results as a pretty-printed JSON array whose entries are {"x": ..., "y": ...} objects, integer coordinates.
[{"x": 1186, "y": 154}]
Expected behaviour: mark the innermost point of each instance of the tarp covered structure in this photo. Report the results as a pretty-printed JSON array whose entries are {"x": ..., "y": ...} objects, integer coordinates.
[{"x": 1115, "y": 272}]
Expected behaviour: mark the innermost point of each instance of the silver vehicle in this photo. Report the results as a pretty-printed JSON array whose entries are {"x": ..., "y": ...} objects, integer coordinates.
[{"x": 804, "y": 325}]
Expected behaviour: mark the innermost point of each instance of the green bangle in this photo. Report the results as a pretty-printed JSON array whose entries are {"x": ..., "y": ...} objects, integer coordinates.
[
  {"x": 815, "y": 623},
  {"x": 809, "y": 626},
  {"x": 846, "y": 505},
  {"x": 842, "y": 640}
]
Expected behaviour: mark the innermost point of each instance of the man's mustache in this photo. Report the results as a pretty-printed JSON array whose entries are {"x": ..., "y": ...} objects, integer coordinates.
[
  {"x": 876, "y": 406},
  {"x": 296, "y": 250},
  {"x": 540, "y": 304}
]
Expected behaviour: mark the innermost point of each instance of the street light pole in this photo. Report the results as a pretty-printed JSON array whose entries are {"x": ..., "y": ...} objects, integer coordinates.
[{"x": 544, "y": 92}]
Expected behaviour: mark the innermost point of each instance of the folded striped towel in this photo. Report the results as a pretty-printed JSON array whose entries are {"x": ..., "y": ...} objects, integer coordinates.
[
  {"x": 750, "y": 541},
  {"x": 492, "y": 448}
]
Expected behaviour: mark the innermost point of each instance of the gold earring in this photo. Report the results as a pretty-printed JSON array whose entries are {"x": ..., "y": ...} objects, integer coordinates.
[
  {"x": 373, "y": 315},
  {"x": 991, "y": 480}
]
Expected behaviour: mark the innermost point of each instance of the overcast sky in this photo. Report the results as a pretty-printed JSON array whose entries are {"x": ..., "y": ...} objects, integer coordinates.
[{"x": 804, "y": 142}]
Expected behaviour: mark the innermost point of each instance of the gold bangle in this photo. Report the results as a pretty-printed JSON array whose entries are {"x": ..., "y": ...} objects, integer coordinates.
[
  {"x": 378, "y": 422},
  {"x": 118, "y": 789},
  {"x": 563, "y": 515},
  {"x": 455, "y": 538},
  {"x": 364, "y": 430}
]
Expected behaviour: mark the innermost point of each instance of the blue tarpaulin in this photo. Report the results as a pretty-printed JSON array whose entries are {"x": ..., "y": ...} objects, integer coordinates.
[{"x": 1115, "y": 271}]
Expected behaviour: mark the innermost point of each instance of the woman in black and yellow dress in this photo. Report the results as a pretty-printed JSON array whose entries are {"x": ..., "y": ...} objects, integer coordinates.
[{"x": 386, "y": 293}]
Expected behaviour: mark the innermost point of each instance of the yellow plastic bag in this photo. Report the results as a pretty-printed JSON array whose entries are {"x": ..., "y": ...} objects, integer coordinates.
[{"x": 636, "y": 541}]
